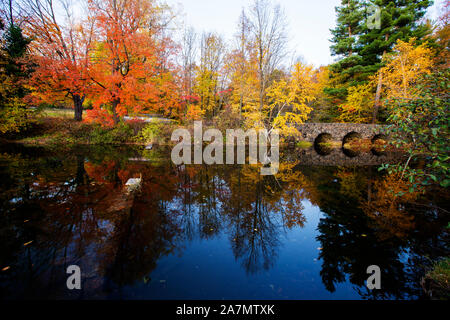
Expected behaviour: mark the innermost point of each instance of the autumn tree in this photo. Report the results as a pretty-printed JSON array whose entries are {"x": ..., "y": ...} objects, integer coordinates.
[
  {"x": 418, "y": 105},
  {"x": 442, "y": 36},
  {"x": 61, "y": 50},
  {"x": 404, "y": 69},
  {"x": 130, "y": 67},
  {"x": 358, "y": 105},
  {"x": 400, "y": 20},
  {"x": 361, "y": 45},
  {"x": 290, "y": 100},
  {"x": 188, "y": 59},
  {"x": 242, "y": 67},
  {"x": 256, "y": 61},
  {"x": 208, "y": 79},
  {"x": 268, "y": 28}
]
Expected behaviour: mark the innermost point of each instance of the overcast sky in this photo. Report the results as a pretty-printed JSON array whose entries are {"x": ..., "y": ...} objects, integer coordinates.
[{"x": 309, "y": 22}]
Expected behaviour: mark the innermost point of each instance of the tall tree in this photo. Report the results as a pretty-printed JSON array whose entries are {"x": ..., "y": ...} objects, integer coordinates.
[
  {"x": 361, "y": 45},
  {"x": 15, "y": 70},
  {"x": 345, "y": 72},
  {"x": 188, "y": 57},
  {"x": 400, "y": 20},
  {"x": 208, "y": 81},
  {"x": 61, "y": 50},
  {"x": 130, "y": 67},
  {"x": 268, "y": 27}
]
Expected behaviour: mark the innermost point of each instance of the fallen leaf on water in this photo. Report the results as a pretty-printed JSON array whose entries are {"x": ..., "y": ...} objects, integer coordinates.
[
  {"x": 5, "y": 268},
  {"x": 27, "y": 243},
  {"x": 26, "y": 220},
  {"x": 364, "y": 235}
]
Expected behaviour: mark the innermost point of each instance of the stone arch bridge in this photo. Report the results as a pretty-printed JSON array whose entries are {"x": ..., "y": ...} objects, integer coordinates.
[{"x": 340, "y": 131}]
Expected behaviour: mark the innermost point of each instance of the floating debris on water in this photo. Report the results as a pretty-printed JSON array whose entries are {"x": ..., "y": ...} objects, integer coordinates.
[{"x": 133, "y": 184}]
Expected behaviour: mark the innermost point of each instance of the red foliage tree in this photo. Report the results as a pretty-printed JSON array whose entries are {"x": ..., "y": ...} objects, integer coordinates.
[{"x": 131, "y": 69}]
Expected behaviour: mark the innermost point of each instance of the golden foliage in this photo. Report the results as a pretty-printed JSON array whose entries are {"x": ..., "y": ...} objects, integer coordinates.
[
  {"x": 405, "y": 66},
  {"x": 386, "y": 210},
  {"x": 359, "y": 103}
]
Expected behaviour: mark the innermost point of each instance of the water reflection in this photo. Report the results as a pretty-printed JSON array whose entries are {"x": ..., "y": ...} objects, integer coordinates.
[{"x": 73, "y": 208}]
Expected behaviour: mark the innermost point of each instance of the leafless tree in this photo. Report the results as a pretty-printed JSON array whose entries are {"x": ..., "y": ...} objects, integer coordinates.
[
  {"x": 188, "y": 56},
  {"x": 268, "y": 26}
]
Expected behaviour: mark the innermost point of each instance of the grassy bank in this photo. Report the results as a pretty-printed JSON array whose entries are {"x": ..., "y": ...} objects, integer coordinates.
[
  {"x": 61, "y": 131},
  {"x": 437, "y": 281},
  {"x": 56, "y": 127}
]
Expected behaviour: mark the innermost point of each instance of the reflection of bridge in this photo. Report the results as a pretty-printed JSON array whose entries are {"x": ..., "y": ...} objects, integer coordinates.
[
  {"x": 339, "y": 131},
  {"x": 340, "y": 157}
]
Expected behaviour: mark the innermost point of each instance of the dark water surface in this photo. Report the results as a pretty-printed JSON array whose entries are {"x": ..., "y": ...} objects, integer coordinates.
[{"x": 208, "y": 232}]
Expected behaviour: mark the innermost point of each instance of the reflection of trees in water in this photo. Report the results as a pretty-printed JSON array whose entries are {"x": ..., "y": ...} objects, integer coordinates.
[
  {"x": 369, "y": 228},
  {"x": 72, "y": 199},
  {"x": 68, "y": 198},
  {"x": 252, "y": 209}
]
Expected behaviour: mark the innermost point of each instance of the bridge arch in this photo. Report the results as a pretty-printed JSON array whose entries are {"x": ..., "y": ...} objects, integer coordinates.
[
  {"x": 320, "y": 143},
  {"x": 378, "y": 141},
  {"x": 351, "y": 136}
]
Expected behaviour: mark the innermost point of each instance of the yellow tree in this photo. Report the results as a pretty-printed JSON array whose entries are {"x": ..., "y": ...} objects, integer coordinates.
[
  {"x": 208, "y": 73},
  {"x": 358, "y": 105},
  {"x": 290, "y": 100},
  {"x": 241, "y": 65},
  {"x": 405, "y": 67}
]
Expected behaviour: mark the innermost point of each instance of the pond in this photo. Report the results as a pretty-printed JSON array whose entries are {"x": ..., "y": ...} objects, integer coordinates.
[{"x": 209, "y": 232}]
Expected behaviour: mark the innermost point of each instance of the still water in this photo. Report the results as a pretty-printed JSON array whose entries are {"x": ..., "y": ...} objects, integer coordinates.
[{"x": 209, "y": 232}]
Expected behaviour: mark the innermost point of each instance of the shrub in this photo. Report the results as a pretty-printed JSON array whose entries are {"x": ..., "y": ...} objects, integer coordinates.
[
  {"x": 119, "y": 134},
  {"x": 14, "y": 119},
  {"x": 437, "y": 280},
  {"x": 151, "y": 133}
]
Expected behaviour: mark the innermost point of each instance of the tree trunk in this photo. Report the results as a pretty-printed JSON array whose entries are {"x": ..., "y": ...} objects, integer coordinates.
[
  {"x": 78, "y": 106},
  {"x": 377, "y": 98},
  {"x": 115, "y": 103},
  {"x": 378, "y": 93}
]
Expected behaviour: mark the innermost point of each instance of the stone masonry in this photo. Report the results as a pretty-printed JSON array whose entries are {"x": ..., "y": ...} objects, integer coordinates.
[{"x": 310, "y": 131}]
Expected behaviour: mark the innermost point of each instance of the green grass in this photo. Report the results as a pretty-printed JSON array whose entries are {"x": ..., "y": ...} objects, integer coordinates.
[
  {"x": 440, "y": 276},
  {"x": 304, "y": 144},
  {"x": 59, "y": 113}
]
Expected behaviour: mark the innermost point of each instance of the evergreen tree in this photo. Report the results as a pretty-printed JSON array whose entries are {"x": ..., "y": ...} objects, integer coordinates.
[
  {"x": 14, "y": 51},
  {"x": 14, "y": 70},
  {"x": 361, "y": 49},
  {"x": 345, "y": 40},
  {"x": 345, "y": 72}
]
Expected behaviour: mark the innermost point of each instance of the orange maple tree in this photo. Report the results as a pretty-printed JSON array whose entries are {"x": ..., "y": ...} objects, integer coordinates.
[
  {"x": 61, "y": 53},
  {"x": 130, "y": 69}
]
